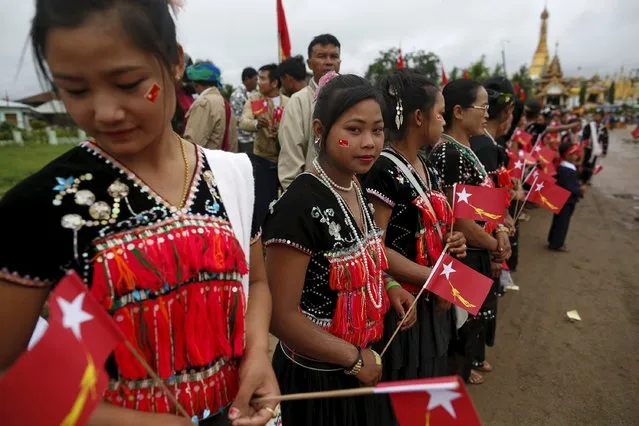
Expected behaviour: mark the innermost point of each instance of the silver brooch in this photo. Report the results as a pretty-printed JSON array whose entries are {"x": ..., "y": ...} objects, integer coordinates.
[
  {"x": 72, "y": 221},
  {"x": 118, "y": 190},
  {"x": 84, "y": 197},
  {"x": 100, "y": 210}
]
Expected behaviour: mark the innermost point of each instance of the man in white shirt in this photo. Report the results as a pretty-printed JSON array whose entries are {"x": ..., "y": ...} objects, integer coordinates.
[{"x": 295, "y": 133}]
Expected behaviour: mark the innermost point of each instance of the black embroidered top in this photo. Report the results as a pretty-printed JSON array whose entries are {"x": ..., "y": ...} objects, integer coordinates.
[
  {"x": 411, "y": 229},
  {"x": 158, "y": 270},
  {"x": 456, "y": 163},
  {"x": 343, "y": 281}
]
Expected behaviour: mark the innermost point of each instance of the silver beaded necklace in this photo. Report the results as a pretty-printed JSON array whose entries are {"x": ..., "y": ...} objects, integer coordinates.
[
  {"x": 329, "y": 180},
  {"x": 368, "y": 222}
]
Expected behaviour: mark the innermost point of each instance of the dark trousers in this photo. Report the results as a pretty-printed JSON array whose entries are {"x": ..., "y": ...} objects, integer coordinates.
[
  {"x": 266, "y": 186},
  {"x": 587, "y": 166},
  {"x": 514, "y": 246},
  {"x": 246, "y": 148},
  {"x": 559, "y": 227},
  {"x": 465, "y": 348}
]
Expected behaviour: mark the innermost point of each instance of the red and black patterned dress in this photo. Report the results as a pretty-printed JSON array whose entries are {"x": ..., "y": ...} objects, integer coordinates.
[
  {"x": 342, "y": 294},
  {"x": 171, "y": 278},
  {"x": 420, "y": 351}
]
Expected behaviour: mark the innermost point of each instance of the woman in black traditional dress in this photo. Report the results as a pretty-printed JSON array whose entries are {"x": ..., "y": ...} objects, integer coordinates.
[
  {"x": 325, "y": 263},
  {"x": 466, "y": 115},
  {"x": 416, "y": 218}
]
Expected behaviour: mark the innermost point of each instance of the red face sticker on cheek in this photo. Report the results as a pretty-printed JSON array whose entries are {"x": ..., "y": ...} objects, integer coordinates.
[
  {"x": 439, "y": 117},
  {"x": 153, "y": 93},
  {"x": 343, "y": 142}
]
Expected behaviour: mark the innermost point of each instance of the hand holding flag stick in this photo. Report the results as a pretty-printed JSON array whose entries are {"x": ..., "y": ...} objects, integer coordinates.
[
  {"x": 412, "y": 306},
  {"x": 532, "y": 188}
]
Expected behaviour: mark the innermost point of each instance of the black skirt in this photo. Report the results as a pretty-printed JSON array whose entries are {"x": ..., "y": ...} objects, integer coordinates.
[
  {"x": 421, "y": 351},
  {"x": 369, "y": 410}
]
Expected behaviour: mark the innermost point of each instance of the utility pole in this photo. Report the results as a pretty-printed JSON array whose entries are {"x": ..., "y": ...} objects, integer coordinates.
[{"x": 503, "y": 56}]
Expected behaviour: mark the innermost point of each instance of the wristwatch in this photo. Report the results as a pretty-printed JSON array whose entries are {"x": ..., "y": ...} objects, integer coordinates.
[{"x": 357, "y": 366}]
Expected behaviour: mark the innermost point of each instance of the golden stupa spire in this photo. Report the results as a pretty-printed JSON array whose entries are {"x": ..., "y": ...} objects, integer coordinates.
[{"x": 541, "y": 57}]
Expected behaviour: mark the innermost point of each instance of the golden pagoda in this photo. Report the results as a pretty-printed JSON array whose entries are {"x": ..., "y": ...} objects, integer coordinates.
[
  {"x": 551, "y": 86},
  {"x": 541, "y": 57}
]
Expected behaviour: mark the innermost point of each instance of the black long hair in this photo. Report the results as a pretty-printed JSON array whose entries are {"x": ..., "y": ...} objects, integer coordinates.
[
  {"x": 339, "y": 95},
  {"x": 414, "y": 90},
  {"x": 147, "y": 23},
  {"x": 462, "y": 92}
]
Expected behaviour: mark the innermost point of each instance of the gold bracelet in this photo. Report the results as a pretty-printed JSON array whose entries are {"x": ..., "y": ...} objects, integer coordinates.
[
  {"x": 357, "y": 367},
  {"x": 503, "y": 228}
]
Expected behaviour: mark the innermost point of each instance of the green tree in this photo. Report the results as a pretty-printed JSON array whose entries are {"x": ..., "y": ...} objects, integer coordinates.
[
  {"x": 611, "y": 93},
  {"x": 386, "y": 63},
  {"x": 525, "y": 82},
  {"x": 478, "y": 69},
  {"x": 227, "y": 91},
  {"x": 383, "y": 65},
  {"x": 498, "y": 70},
  {"x": 582, "y": 93},
  {"x": 426, "y": 62},
  {"x": 455, "y": 74}
]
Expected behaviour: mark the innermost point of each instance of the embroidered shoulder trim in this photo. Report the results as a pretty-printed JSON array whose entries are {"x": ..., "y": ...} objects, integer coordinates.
[
  {"x": 26, "y": 280},
  {"x": 257, "y": 236},
  {"x": 381, "y": 197},
  {"x": 289, "y": 243}
]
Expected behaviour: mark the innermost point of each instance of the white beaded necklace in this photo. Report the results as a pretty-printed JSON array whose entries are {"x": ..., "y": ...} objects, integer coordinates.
[
  {"x": 368, "y": 221},
  {"x": 329, "y": 180}
]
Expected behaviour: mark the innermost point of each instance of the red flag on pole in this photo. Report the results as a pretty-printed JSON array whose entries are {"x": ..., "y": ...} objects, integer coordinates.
[
  {"x": 61, "y": 379},
  {"x": 466, "y": 75},
  {"x": 444, "y": 76},
  {"x": 259, "y": 106},
  {"x": 522, "y": 138},
  {"x": 459, "y": 284},
  {"x": 539, "y": 176},
  {"x": 431, "y": 402},
  {"x": 400, "y": 60},
  {"x": 517, "y": 89},
  {"x": 487, "y": 204},
  {"x": 517, "y": 171},
  {"x": 282, "y": 31},
  {"x": 549, "y": 196}
]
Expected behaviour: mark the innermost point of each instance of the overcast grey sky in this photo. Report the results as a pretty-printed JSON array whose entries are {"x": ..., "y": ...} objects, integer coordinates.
[{"x": 596, "y": 35}]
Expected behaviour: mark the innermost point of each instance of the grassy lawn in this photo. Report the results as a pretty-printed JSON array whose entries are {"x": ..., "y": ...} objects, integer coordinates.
[{"x": 18, "y": 162}]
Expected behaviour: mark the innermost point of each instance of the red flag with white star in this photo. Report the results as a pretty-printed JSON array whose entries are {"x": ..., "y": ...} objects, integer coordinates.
[
  {"x": 480, "y": 203},
  {"x": 522, "y": 138},
  {"x": 61, "y": 379},
  {"x": 459, "y": 284},
  {"x": 544, "y": 155},
  {"x": 517, "y": 170},
  {"x": 539, "y": 175},
  {"x": 431, "y": 402},
  {"x": 548, "y": 195},
  {"x": 400, "y": 60},
  {"x": 259, "y": 106}
]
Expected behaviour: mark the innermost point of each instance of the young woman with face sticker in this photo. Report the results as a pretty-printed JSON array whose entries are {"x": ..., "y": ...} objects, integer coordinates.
[
  {"x": 466, "y": 115},
  {"x": 417, "y": 222},
  {"x": 325, "y": 262},
  {"x": 146, "y": 219}
]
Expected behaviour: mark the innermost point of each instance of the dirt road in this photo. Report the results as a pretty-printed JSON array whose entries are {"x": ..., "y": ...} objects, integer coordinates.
[{"x": 549, "y": 371}]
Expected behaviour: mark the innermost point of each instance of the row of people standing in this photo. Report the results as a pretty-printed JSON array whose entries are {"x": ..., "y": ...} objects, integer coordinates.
[{"x": 346, "y": 256}]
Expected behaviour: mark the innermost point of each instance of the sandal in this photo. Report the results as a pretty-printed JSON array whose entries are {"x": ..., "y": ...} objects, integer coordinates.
[
  {"x": 475, "y": 378},
  {"x": 485, "y": 367}
]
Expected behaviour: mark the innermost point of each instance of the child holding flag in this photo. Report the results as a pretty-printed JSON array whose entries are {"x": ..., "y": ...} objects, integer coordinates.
[{"x": 568, "y": 178}]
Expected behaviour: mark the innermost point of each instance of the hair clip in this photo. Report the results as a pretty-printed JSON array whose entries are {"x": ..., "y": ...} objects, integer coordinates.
[{"x": 324, "y": 81}]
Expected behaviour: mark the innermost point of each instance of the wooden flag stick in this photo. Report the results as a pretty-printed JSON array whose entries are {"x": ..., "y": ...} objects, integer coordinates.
[
  {"x": 341, "y": 393},
  {"x": 412, "y": 306},
  {"x": 316, "y": 395},
  {"x": 156, "y": 378},
  {"x": 532, "y": 188}
]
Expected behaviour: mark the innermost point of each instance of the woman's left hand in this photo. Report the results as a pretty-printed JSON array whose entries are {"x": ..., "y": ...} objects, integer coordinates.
[
  {"x": 257, "y": 379},
  {"x": 456, "y": 244},
  {"x": 495, "y": 269},
  {"x": 401, "y": 300}
]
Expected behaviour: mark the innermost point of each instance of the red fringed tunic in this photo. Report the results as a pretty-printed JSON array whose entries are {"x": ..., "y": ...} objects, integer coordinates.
[{"x": 170, "y": 278}]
